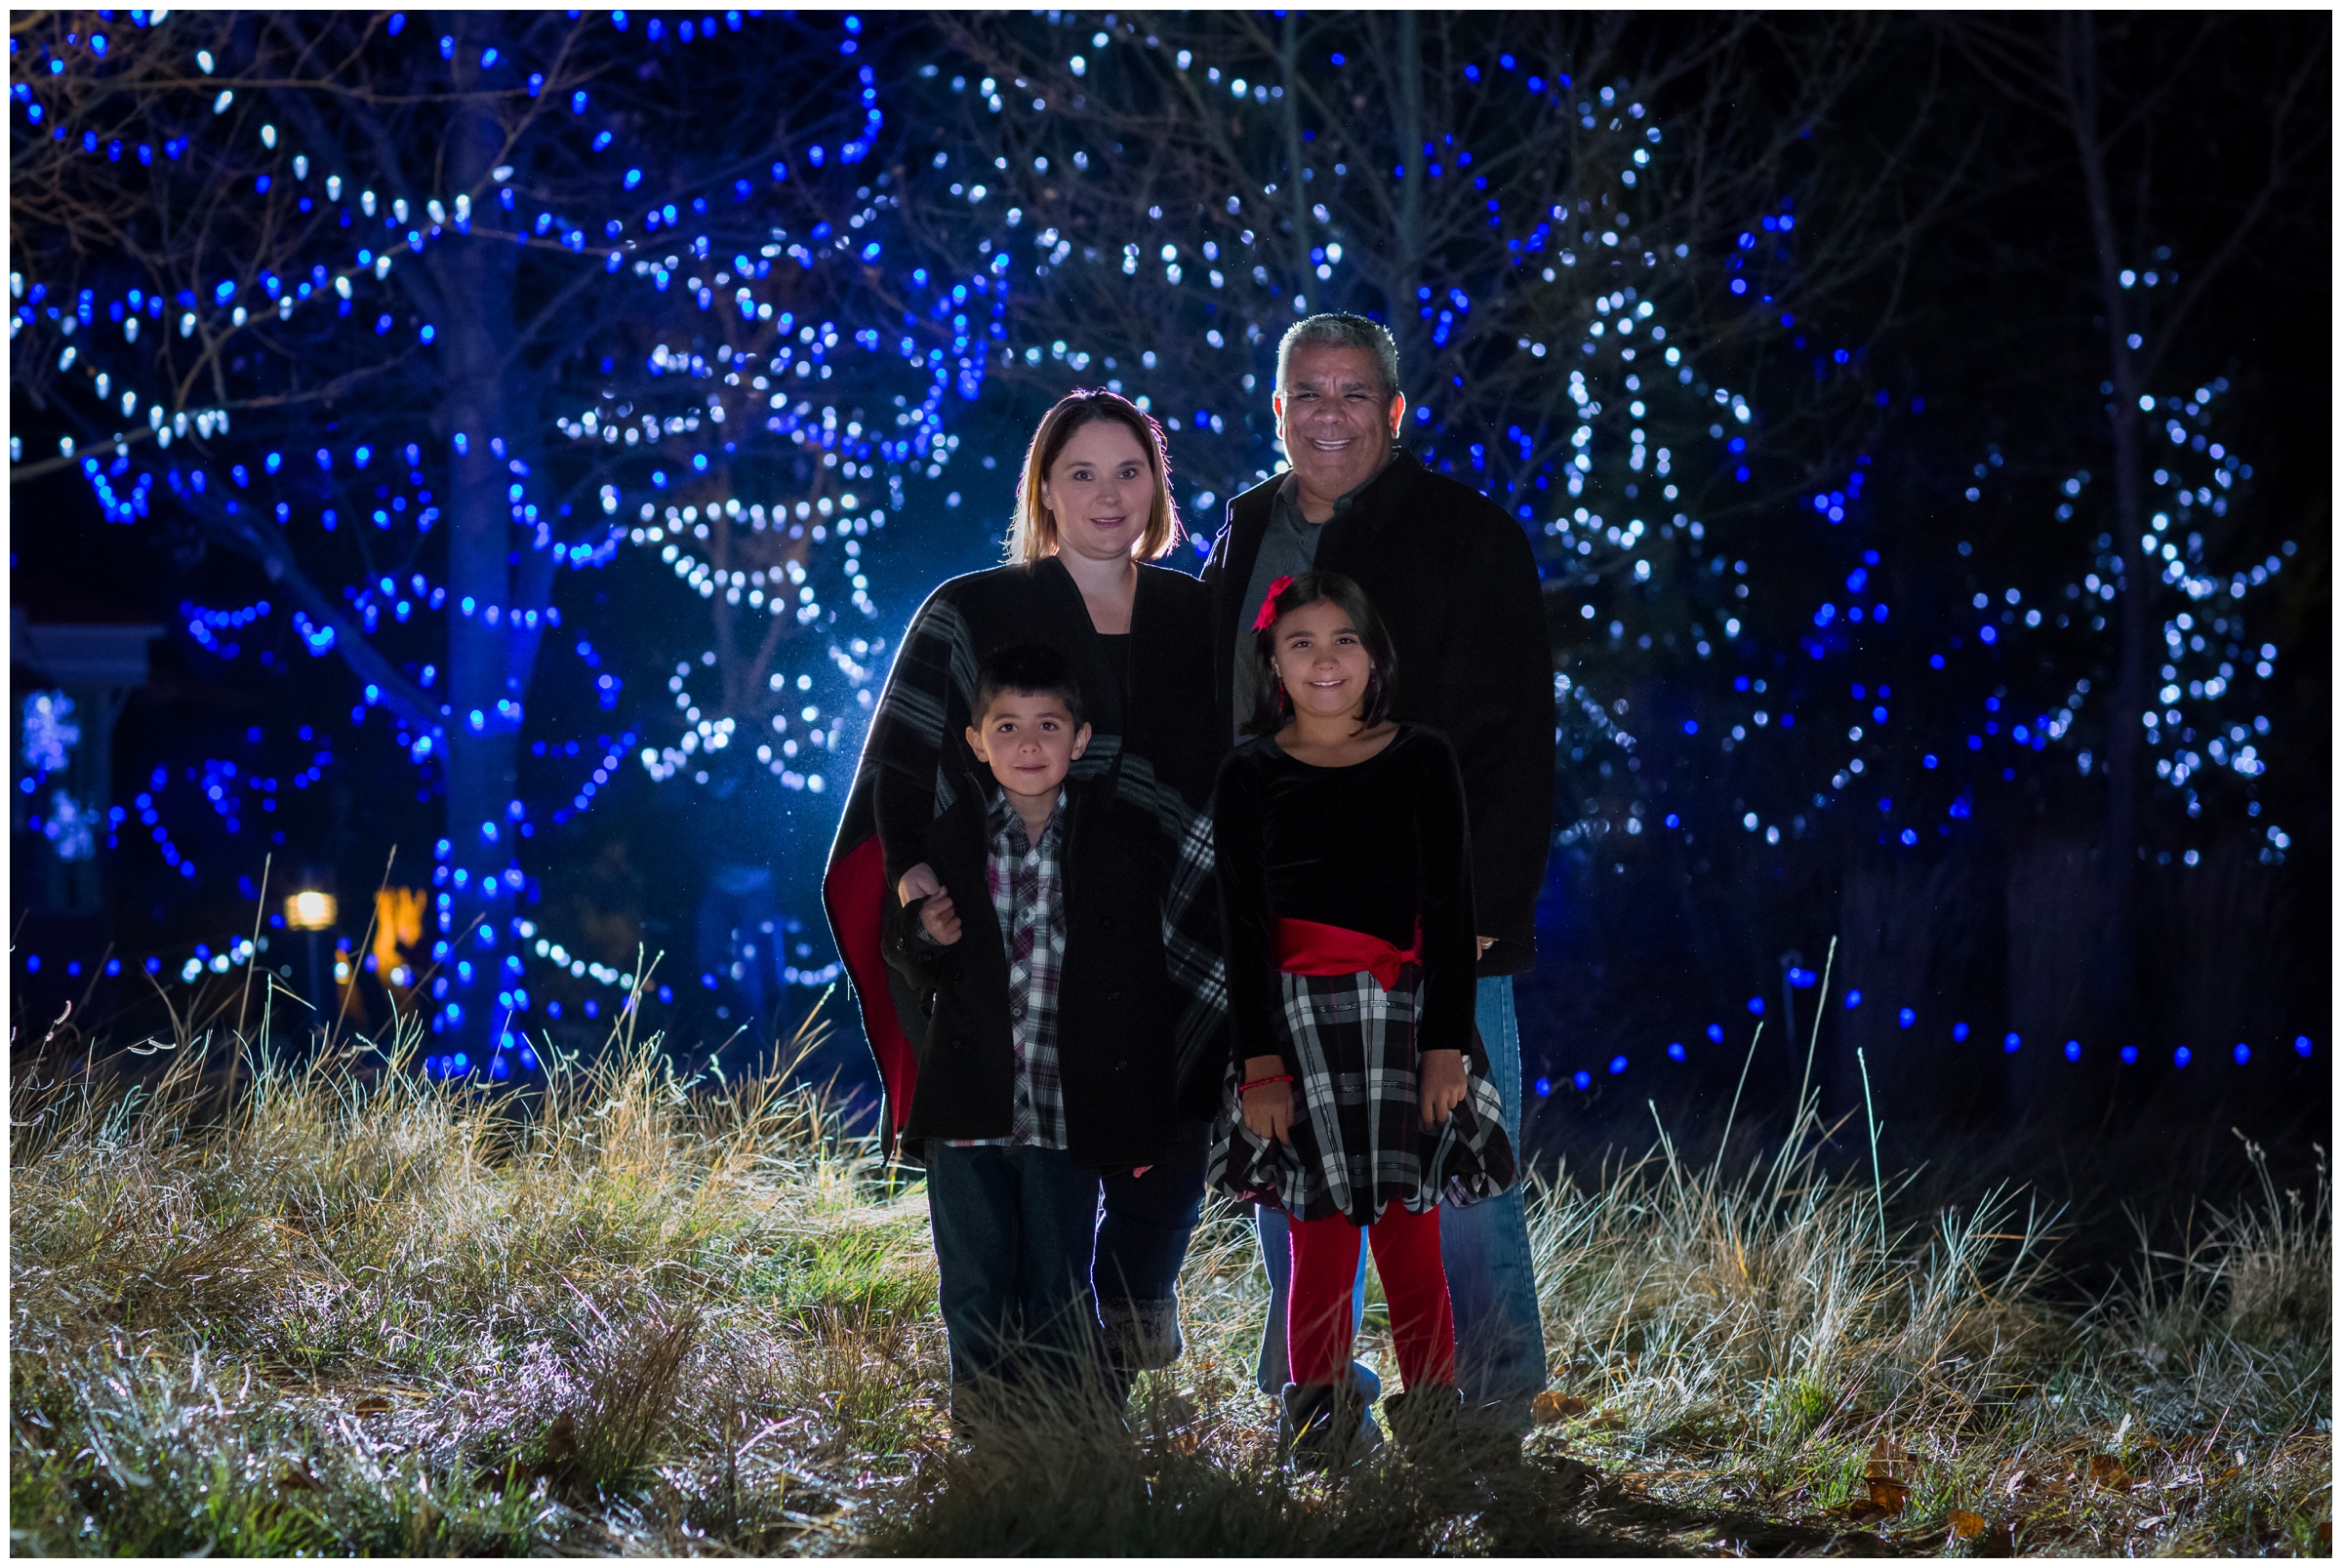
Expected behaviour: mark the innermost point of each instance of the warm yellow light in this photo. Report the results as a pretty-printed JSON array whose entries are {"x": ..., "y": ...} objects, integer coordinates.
[{"x": 310, "y": 911}]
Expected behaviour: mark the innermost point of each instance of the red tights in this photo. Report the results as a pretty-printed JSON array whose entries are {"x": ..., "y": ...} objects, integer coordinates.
[{"x": 1325, "y": 1267}]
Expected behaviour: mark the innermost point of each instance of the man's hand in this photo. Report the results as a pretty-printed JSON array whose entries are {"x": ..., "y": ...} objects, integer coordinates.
[
  {"x": 938, "y": 918},
  {"x": 1269, "y": 1109},
  {"x": 920, "y": 882},
  {"x": 1485, "y": 942},
  {"x": 1443, "y": 1086}
]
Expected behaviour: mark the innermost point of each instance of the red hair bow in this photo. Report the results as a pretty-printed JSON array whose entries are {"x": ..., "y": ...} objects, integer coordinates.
[{"x": 1267, "y": 616}]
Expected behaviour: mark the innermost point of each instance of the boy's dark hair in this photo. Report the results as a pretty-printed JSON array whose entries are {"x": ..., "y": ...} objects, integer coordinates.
[
  {"x": 1032, "y": 669},
  {"x": 1274, "y": 710}
]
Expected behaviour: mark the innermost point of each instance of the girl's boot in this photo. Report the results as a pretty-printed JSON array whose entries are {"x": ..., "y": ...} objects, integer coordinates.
[
  {"x": 1323, "y": 1419},
  {"x": 1427, "y": 1423}
]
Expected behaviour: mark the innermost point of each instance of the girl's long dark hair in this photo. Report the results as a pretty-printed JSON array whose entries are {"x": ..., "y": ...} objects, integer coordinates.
[{"x": 1274, "y": 710}]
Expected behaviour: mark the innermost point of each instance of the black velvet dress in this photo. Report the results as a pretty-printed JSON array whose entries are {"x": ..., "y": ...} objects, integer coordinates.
[{"x": 1380, "y": 847}]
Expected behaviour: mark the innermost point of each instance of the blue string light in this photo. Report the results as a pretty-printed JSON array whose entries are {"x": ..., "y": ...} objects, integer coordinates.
[
  {"x": 789, "y": 381},
  {"x": 1597, "y": 491}
]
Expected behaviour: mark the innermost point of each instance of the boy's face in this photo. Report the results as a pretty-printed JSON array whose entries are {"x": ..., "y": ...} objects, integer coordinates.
[{"x": 1029, "y": 740}]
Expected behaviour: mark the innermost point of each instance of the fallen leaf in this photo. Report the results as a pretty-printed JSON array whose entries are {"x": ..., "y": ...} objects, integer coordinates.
[
  {"x": 373, "y": 1404},
  {"x": 2107, "y": 1472},
  {"x": 1549, "y": 1407},
  {"x": 2326, "y": 1533},
  {"x": 1888, "y": 1460},
  {"x": 1888, "y": 1495},
  {"x": 1966, "y": 1526}
]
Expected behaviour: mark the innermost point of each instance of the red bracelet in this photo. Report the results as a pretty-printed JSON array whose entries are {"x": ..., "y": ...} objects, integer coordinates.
[{"x": 1263, "y": 1083}]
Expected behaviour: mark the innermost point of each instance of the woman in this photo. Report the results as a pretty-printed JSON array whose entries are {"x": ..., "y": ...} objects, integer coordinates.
[{"x": 1093, "y": 504}]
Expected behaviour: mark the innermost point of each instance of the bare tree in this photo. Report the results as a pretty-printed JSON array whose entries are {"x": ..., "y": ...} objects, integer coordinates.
[
  {"x": 2100, "y": 101},
  {"x": 1433, "y": 177},
  {"x": 425, "y": 313},
  {"x": 1587, "y": 286}
]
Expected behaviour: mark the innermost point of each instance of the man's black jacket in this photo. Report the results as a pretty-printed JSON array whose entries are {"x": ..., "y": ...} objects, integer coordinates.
[
  {"x": 1456, "y": 580},
  {"x": 1115, "y": 1009}
]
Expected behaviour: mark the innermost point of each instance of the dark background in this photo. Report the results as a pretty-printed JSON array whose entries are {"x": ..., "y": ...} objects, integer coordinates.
[{"x": 1942, "y": 235}]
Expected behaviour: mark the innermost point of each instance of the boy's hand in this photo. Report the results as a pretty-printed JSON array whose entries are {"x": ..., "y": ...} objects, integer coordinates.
[
  {"x": 1443, "y": 1086},
  {"x": 1267, "y": 1110},
  {"x": 940, "y": 920},
  {"x": 920, "y": 882}
]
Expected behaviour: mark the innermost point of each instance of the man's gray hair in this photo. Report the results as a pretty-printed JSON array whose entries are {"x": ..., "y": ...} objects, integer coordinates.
[{"x": 1338, "y": 329}]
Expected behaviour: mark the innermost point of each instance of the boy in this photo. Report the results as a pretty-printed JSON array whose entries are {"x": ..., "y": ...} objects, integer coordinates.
[{"x": 1043, "y": 1031}]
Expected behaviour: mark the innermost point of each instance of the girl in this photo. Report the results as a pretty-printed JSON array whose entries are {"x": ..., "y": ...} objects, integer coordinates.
[{"x": 1358, "y": 1098}]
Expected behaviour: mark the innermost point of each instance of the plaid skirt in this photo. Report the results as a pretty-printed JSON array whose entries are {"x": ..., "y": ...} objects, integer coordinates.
[{"x": 1358, "y": 1142}]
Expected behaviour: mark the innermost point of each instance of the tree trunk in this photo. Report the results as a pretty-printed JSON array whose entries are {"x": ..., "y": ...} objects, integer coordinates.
[
  {"x": 2123, "y": 753},
  {"x": 477, "y": 873}
]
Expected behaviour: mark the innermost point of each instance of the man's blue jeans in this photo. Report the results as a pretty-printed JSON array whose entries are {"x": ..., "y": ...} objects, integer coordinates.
[
  {"x": 1500, "y": 1339},
  {"x": 1013, "y": 1233}
]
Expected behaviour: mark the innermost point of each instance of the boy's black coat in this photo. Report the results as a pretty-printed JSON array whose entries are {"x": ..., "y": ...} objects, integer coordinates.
[
  {"x": 1455, "y": 579},
  {"x": 1115, "y": 1009},
  {"x": 1157, "y": 746}
]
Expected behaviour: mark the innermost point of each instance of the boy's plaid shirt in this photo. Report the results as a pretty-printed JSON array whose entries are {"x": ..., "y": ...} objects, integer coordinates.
[{"x": 1026, "y": 881}]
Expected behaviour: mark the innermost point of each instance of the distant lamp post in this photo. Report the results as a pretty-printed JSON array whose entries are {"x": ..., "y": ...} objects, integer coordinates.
[{"x": 312, "y": 912}]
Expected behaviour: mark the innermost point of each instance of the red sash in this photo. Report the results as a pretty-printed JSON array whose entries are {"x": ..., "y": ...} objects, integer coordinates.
[{"x": 1309, "y": 947}]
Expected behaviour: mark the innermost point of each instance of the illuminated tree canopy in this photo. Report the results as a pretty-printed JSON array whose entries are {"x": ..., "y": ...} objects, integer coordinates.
[{"x": 561, "y": 409}]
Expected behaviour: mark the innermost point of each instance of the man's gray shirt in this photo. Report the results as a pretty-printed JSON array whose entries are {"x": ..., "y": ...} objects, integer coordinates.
[{"x": 1288, "y": 548}]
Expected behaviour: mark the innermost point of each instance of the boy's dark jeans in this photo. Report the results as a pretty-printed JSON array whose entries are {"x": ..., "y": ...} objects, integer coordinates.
[
  {"x": 1142, "y": 1231},
  {"x": 1013, "y": 1236}
]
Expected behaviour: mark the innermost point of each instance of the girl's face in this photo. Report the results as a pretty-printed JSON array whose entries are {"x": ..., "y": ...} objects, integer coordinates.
[
  {"x": 1102, "y": 490},
  {"x": 1322, "y": 660}
]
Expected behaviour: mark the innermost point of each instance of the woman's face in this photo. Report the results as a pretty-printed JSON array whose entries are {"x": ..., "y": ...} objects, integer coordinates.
[
  {"x": 1322, "y": 660},
  {"x": 1102, "y": 490}
]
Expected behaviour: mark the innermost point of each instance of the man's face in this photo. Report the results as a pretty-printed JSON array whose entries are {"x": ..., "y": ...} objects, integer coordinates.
[{"x": 1333, "y": 419}]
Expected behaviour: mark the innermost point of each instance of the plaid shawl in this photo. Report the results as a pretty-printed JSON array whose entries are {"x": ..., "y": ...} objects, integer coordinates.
[{"x": 1162, "y": 749}]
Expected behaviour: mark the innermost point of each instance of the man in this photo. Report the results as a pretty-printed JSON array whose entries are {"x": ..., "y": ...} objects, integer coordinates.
[{"x": 1456, "y": 580}]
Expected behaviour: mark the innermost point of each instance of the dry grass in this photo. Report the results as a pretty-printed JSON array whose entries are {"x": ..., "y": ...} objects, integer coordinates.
[{"x": 362, "y": 1310}]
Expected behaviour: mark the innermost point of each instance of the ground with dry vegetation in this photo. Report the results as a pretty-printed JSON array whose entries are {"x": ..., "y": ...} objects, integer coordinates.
[{"x": 346, "y": 1308}]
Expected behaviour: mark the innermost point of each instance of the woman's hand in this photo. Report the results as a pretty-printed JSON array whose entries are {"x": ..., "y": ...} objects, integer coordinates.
[
  {"x": 1267, "y": 1110},
  {"x": 938, "y": 918},
  {"x": 920, "y": 882},
  {"x": 1444, "y": 1087}
]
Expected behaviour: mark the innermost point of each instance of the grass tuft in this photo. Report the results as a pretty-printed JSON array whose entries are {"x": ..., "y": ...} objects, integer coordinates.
[{"x": 325, "y": 1305}]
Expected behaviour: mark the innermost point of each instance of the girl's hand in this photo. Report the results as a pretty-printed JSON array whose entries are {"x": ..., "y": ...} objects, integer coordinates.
[
  {"x": 1443, "y": 1088},
  {"x": 1267, "y": 1110},
  {"x": 938, "y": 918},
  {"x": 920, "y": 882}
]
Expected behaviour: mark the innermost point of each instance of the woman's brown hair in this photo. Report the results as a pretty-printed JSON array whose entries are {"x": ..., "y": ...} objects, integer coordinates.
[{"x": 1032, "y": 534}]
